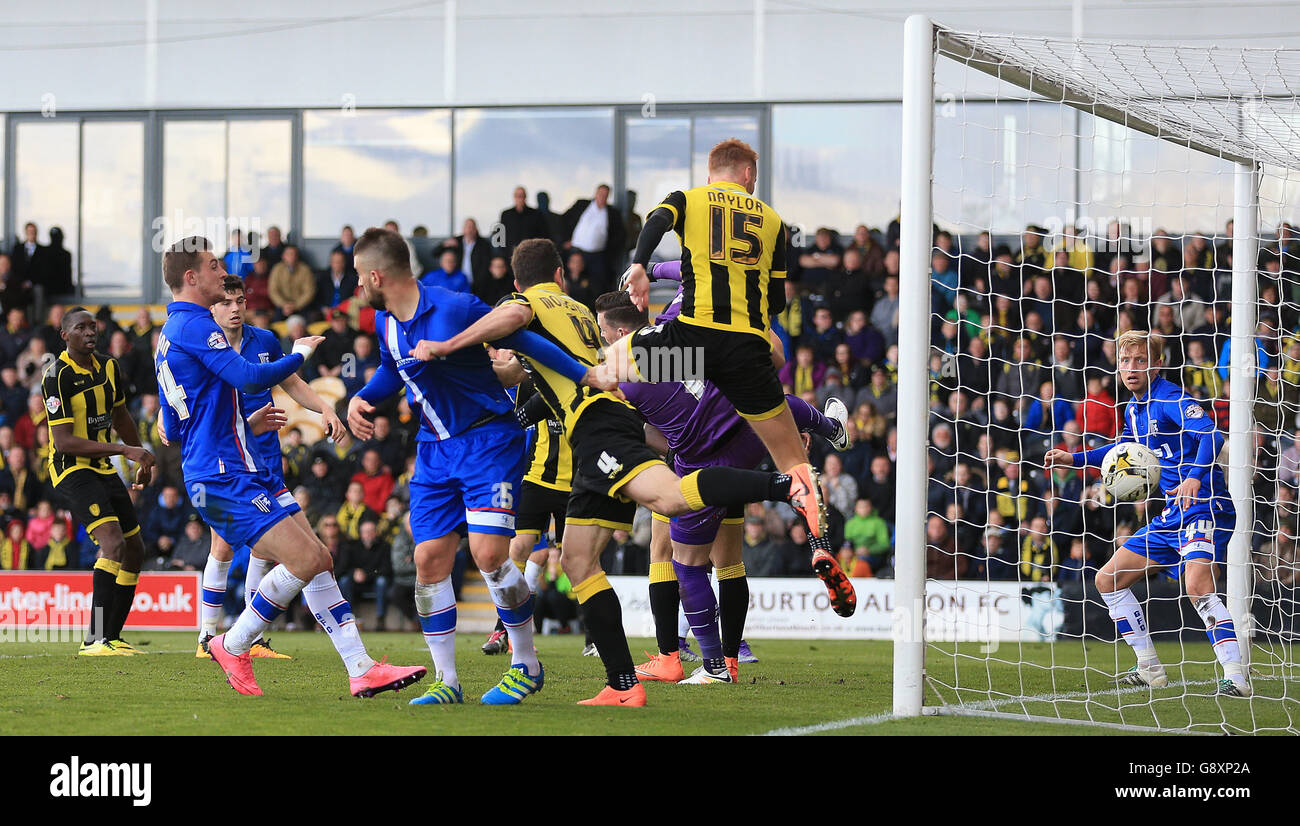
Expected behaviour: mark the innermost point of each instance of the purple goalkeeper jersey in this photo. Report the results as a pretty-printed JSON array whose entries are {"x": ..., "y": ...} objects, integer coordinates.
[{"x": 701, "y": 426}]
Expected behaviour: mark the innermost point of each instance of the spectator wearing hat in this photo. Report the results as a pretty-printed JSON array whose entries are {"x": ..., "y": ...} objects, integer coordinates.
[
  {"x": 998, "y": 558},
  {"x": 321, "y": 484}
]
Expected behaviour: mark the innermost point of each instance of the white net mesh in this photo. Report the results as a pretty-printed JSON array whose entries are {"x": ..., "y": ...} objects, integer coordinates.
[{"x": 1090, "y": 192}]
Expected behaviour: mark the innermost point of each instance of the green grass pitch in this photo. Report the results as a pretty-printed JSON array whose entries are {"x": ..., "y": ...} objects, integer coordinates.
[{"x": 809, "y": 687}]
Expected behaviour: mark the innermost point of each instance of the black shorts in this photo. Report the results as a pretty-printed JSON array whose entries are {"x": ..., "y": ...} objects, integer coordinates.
[
  {"x": 609, "y": 450},
  {"x": 740, "y": 364},
  {"x": 96, "y": 498},
  {"x": 538, "y": 505}
]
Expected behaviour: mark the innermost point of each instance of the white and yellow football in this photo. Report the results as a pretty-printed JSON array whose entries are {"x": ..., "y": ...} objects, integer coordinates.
[{"x": 1130, "y": 471}]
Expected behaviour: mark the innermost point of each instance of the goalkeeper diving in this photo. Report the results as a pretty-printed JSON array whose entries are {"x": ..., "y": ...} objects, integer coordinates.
[{"x": 1188, "y": 540}]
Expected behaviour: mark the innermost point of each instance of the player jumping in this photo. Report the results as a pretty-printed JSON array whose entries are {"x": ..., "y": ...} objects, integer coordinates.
[
  {"x": 201, "y": 378},
  {"x": 469, "y": 457},
  {"x": 1190, "y": 536},
  {"x": 733, "y": 281},
  {"x": 613, "y": 468},
  {"x": 85, "y": 397},
  {"x": 703, "y": 429}
]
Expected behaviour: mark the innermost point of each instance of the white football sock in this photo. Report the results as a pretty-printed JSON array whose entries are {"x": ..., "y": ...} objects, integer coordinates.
[
  {"x": 1219, "y": 628},
  {"x": 436, "y": 605},
  {"x": 514, "y": 604},
  {"x": 214, "y": 593},
  {"x": 257, "y": 568},
  {"x": 1131, "y": 623},
  {"x": 333, "y": 612},
  {"x": 532, "y": 575},
  {"x": 277, "y": 590},
  {"x": 683, "y": 624}
]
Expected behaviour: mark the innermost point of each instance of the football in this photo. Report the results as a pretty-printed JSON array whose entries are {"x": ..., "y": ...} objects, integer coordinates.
[{"x": 1130, "y": 471}]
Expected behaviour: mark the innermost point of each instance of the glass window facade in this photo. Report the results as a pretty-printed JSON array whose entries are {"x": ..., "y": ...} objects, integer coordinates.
[
  {"x": 260, "y": 156},
  {"x": 836, "y": 165},
  {"x": 367, "y": 167},
  {"x": 112, "y": 208},
  {"x": 998, "y": 164},
  {"x": 45, "y": 179},
  {"x": 565, "y": 153}
]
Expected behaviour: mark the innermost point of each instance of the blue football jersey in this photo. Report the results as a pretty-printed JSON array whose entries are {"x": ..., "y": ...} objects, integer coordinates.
[
  {"x": 1173, "y": 424},
  {"x": 260, "y": 346},
  {"x": 200, "y": 379},
  {"x": 451, "y": 393}
]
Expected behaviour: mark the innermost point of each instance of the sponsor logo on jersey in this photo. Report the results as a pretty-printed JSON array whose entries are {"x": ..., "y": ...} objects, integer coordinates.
[
  {"x": 1193, "y": 411},
  {"x": 217, "y": 341},
  {"x": 264, "y": 357},
  {"x": 52, "y": 404}
]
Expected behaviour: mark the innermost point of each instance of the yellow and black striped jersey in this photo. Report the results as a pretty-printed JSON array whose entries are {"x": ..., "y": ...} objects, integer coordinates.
[
  {"x": 571, "y": 326},
  {"x": 733, "y": 245},
  {"x": 86, "y": 400},
  {"x": 551, "y": 464}
]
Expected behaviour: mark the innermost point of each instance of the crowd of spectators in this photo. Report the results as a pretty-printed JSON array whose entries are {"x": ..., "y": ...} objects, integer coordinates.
[{"x": 1022, "y": 360}]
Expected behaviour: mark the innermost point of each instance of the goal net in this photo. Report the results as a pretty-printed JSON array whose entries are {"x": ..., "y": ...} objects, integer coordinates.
[{"x": 1055, "y": 194}]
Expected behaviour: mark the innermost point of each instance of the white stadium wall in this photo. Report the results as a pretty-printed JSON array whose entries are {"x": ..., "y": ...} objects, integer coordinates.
[{"x": 310, "y": 53}]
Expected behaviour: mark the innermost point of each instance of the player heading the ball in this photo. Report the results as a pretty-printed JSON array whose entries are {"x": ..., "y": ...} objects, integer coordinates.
[{"x": 1189, "y": 538}]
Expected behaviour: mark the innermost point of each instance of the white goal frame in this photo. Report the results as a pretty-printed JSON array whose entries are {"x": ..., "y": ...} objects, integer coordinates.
[{"x": 922, "y": 40}]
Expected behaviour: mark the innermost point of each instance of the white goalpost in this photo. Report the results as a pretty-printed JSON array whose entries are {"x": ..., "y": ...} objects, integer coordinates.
[{"x": 1054, "y": 191}]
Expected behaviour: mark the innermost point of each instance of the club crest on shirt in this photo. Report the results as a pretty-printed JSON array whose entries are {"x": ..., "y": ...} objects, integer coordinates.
[
  {"x": 217, "y": 341},
  {"x": 265, "y": 357},
  {"x": 1193, "y": 411}
]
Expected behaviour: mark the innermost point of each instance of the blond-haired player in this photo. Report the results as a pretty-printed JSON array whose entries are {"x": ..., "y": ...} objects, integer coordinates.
[{"x": 1188, "y": 540}]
